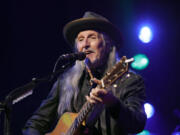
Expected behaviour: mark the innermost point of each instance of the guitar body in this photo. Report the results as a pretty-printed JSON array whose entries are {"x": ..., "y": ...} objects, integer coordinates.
[{"x": 64, "y": 123}]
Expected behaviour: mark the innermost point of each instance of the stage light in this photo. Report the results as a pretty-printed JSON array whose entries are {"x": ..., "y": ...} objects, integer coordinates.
[
  {"x": 145, "y": 34},
  {"x": 175, "y": 133},
  {"x": 176, "y": 130},
  {"x": 140, "y": 62},
  {"x": 144, "y": 132},
  {"x": 149, "y": 109}
]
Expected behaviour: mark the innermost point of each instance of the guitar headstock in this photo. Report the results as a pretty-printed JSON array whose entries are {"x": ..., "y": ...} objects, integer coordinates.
[{"x": 116, "y": 72}]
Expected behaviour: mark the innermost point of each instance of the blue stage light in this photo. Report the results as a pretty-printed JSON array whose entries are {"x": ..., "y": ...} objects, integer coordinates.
[
  {"x": 145, "y": 34},
  {"x": 144, "y": 132},
  {"x": 141, "y": 61},
  {"x": 176, "y": 133},
  {"x": 149, "y": 109},
  {"x": 176, "y": 130}
]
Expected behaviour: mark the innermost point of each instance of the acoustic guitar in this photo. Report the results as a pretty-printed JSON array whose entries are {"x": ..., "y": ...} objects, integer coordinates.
[{"x": 72, "y": 123}]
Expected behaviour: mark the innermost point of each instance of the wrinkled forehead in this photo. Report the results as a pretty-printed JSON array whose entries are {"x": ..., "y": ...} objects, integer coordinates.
[{"x": 87, "y": 32}]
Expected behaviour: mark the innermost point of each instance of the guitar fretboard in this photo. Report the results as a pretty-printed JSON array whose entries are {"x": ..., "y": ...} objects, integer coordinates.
[{"x": 87, "y": 107}]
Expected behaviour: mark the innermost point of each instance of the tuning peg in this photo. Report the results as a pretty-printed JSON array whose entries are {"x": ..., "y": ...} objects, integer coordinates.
[
  {"x": 129, "y": 60},
  {"x": 107, "y": 73}
]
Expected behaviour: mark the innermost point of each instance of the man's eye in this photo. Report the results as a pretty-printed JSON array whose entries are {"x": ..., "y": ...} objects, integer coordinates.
[
  {"x": 93, "y": 37},
  {"x": 80, "y": 39}
]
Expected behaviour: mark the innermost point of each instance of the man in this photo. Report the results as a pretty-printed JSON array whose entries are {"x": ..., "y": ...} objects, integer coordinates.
[{"x": 121, "y": 108}]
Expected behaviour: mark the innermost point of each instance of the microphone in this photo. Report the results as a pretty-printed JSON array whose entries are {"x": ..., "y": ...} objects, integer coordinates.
[
  {"x": 72, "y": 57},
  {"x": 69, "y": 58},
  {"x": 66, "y": 59}
]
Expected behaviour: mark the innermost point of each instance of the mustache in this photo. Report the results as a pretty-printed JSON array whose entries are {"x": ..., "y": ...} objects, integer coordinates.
[{"x": 88, "y": 51}]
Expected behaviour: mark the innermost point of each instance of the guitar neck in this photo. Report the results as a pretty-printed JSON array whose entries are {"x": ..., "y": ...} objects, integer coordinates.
[{"x": 87, "y": 107}]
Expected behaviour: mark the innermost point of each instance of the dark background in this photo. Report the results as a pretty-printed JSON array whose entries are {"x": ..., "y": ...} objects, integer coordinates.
[{"x": 31, "y": 41}]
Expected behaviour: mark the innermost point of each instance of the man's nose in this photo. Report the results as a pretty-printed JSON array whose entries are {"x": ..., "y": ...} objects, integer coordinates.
[{"x": 86, "y": 44}]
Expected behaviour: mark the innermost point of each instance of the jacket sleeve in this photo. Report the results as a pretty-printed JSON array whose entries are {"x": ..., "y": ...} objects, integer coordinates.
[
  {"x": 128, "y": 109},
  {"x": 44, "y": 117}
]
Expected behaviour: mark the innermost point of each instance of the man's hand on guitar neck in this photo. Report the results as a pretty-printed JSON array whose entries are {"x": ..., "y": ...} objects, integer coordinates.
[{"x": 101, "y": 95}]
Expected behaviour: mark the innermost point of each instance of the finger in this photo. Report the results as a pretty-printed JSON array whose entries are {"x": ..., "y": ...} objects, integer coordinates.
[
  {"x": 96, "y": 81},
  {"x": 94, "y": 92},
  {"x": 99, "y": 92},
  {"x": 96, "y": 98},
  {"x": 90, "y": 100},
  {"x": 102, "y": 92}
]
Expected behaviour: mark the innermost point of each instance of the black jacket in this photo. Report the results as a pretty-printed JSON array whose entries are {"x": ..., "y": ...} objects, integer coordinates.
[{"x": 126, "y": 116}]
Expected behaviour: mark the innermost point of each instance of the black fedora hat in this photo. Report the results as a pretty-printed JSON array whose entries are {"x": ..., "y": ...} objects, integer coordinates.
[{"x": 91, "y": 21}]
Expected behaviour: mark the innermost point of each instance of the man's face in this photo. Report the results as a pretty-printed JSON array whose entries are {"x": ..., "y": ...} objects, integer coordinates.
[{"x": 91, "y": 41}]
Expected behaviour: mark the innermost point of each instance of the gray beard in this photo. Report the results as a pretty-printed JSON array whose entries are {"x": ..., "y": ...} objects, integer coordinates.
[
  {"x": 107, "y": 60},
  {"x": 95, "y": 65}
]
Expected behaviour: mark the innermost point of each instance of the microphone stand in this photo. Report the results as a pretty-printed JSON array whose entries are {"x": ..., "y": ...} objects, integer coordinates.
[{"x": 24, "y": 91}]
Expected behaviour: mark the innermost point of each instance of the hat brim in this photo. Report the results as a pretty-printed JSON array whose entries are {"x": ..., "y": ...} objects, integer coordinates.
[{"x": 72, "y": 29}]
